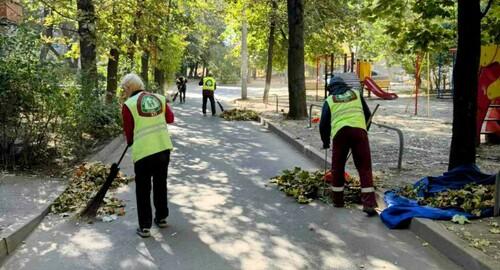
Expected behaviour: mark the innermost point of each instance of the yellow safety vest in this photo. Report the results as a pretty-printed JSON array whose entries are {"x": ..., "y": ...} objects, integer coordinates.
[
  {"x": 346, "y": 110},
  {"x": 151, "y": 134},
  {"x": 208, "y": 83}
]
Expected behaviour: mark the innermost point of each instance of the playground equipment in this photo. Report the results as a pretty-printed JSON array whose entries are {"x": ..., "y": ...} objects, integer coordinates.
[
  {"x": 444, "y": 81},
  {"x": 329, "y": 66},
  {"x": 376, "y": 90},
  {"x": 488, "y": 94},
  {"x": 364, "y": 71}
]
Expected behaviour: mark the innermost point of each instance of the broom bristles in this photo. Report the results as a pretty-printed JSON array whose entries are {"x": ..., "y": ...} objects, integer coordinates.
[{"x": 94, "y": 204}]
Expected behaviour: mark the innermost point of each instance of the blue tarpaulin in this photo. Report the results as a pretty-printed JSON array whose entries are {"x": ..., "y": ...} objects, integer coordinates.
[{"x": 401, "y": 210}]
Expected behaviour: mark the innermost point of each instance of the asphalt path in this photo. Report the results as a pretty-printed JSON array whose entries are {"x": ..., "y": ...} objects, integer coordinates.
[{"x": 225, "y": 215}]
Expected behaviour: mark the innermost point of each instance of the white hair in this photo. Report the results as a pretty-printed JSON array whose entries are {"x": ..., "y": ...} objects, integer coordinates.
[{"x": 132, "y": 81}]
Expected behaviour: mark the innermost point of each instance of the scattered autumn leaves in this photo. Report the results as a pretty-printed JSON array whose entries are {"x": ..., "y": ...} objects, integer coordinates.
[
  {"x": 86, "y": 181},
  {"x": 240, "y": 115},
  {"x": 472, "y": 198},
  {"x": 306, "y": 186}
]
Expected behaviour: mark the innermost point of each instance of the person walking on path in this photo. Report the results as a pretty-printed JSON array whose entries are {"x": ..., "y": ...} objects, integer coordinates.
[
  {"x": 343, "y": 120},
  {"x": 208, "y": 85},
  {"x": 145, "y": 119},
  {"x": 181, "y": 87}
]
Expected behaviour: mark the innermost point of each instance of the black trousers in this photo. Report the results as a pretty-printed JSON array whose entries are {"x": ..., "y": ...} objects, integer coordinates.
[
  {"x": 212, "y": 102},
  {"x": 155, "y": 167},
  {"x": 182, "y": 96}
]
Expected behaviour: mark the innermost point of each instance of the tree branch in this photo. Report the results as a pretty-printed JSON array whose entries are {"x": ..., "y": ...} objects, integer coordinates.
[
  {"x": 56, "y": 11},
  {"x": 488, "y": 6}
]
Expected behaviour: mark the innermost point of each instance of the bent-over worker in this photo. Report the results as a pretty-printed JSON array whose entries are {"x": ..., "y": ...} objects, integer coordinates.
[
  {"x": 145, "y": 118},
  {"x": 343, "y": 120}
]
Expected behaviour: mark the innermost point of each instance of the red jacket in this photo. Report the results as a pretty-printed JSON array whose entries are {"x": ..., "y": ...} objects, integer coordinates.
[{"x": 128, "y": 120}]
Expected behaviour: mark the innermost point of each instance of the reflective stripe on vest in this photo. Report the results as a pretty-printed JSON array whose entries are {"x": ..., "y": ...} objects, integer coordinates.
[
  {"x": 346, "y": 110},
  {"x": 150, "y": 129},
  {"x": 208, "y": 83}
]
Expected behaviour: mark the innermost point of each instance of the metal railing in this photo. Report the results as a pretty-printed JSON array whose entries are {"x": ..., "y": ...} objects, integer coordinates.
[
  {"x": 277, "y": 100},
  {"x": 401, "y": 142},
  {"x": 310, "y": 113}
]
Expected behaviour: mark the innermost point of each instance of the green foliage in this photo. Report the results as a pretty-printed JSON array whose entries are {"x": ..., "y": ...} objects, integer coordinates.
[
  {"x": 42, "y": 117},
  {"x": 32, "y": 103},
  {"x": 307, "y": 186},
  {"x": 472, "y": 198}
]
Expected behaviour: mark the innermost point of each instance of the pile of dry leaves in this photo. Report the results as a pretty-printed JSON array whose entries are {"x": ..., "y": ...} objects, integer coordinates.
[{"x": 85, "y": 182}]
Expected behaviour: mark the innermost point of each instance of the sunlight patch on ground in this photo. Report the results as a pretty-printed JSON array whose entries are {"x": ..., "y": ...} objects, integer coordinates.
[
  {"x": 87, "y": 239},
  {"x": 376, "y": 263}
]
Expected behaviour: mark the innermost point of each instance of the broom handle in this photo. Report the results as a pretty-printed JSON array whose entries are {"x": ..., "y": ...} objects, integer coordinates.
[{"x": 121, "y": 157}]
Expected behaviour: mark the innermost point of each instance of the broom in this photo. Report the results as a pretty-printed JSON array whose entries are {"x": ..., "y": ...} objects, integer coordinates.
[
  {"x": 93, "y": 205},
  {"x": 220, "y": 105}
]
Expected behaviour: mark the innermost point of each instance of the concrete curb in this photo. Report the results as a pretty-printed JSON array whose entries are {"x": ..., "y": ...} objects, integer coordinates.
[
  {"x": 444, "y": 241},
  {"x": 306, "y": 149},
  {"x": 10, "y": 242},
  {"x": 451, "y": 245}
]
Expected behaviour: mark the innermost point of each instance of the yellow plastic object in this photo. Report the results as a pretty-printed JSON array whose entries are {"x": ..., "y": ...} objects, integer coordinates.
[
  {"x": 365, "y": 70},
  {"x": 490, "y": 54}
]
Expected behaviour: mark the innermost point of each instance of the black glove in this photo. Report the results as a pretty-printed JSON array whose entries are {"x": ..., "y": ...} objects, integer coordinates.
[
  {"x": 130, "y": 144},
  {"x": 326, "y": 146}
]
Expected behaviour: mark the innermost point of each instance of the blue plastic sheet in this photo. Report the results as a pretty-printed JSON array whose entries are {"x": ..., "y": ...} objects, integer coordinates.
[{"x": 401, "y": 210}]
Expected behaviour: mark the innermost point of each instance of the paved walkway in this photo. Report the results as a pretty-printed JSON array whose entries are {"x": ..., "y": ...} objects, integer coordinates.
[
  {"x": 24, "y": 197},
  {"x": 224, "y": 216}
]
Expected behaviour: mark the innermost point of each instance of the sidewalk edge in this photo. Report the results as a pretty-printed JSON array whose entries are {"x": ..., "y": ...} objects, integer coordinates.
[{"x": 10, "y": 242}]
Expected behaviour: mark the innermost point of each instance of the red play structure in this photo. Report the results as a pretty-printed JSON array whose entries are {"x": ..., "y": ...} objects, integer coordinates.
[
  {"x": 488, "y": 110},
  {"x": 370, "y": 84}
]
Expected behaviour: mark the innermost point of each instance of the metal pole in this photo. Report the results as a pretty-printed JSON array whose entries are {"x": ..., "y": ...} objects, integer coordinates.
[
  {"x": 496, "y": 208},
  {"x": 401, "y": 143},
  {"x": 417, "y": 84},
  {"x": 352, "y": 62},
  {"x": 317, "y": 78},
  {"x": 429, "y": 83},
  {"x": 310, "y": 113},
  {"x": 326, "y": 74},
  {"x": 332, "y": 64},
  {"x": 276, "y": 102},
  {"x": 345, "y": 62}
]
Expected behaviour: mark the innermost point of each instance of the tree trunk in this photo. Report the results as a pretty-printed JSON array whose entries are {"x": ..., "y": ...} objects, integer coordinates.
[
  {"x": 191, "y": 70},
  {"x": 244, "y": 55},
  {"x": 159, "y": 79},
  {"x": 270, "y": 47},
  {"x": 86, "y": 31},
  {"x": 196, "y": 70},
  {"x": 112, "y": 78},
  {"x": 465, "y": 79},
  {"x": 145, "y": 67},
  {"x": 48, "y": 32},
  {"x": 296, "y": 79}
]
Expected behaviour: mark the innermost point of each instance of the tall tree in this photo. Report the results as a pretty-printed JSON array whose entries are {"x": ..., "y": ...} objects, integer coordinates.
[
  {"x": 244, "y": 54},
  {"x": 465, "y": 79},
  {"x": 296, "y": 79},
  {"x": 270, "y": 47},
  {"x": 86, "y": 31}
]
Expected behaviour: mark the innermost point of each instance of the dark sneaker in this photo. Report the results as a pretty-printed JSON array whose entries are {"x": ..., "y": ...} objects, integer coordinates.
[
  {"x": 370, "y": 211},
  {"x": 144, "y": 233},
  {"x": 162, "y": 223}
]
